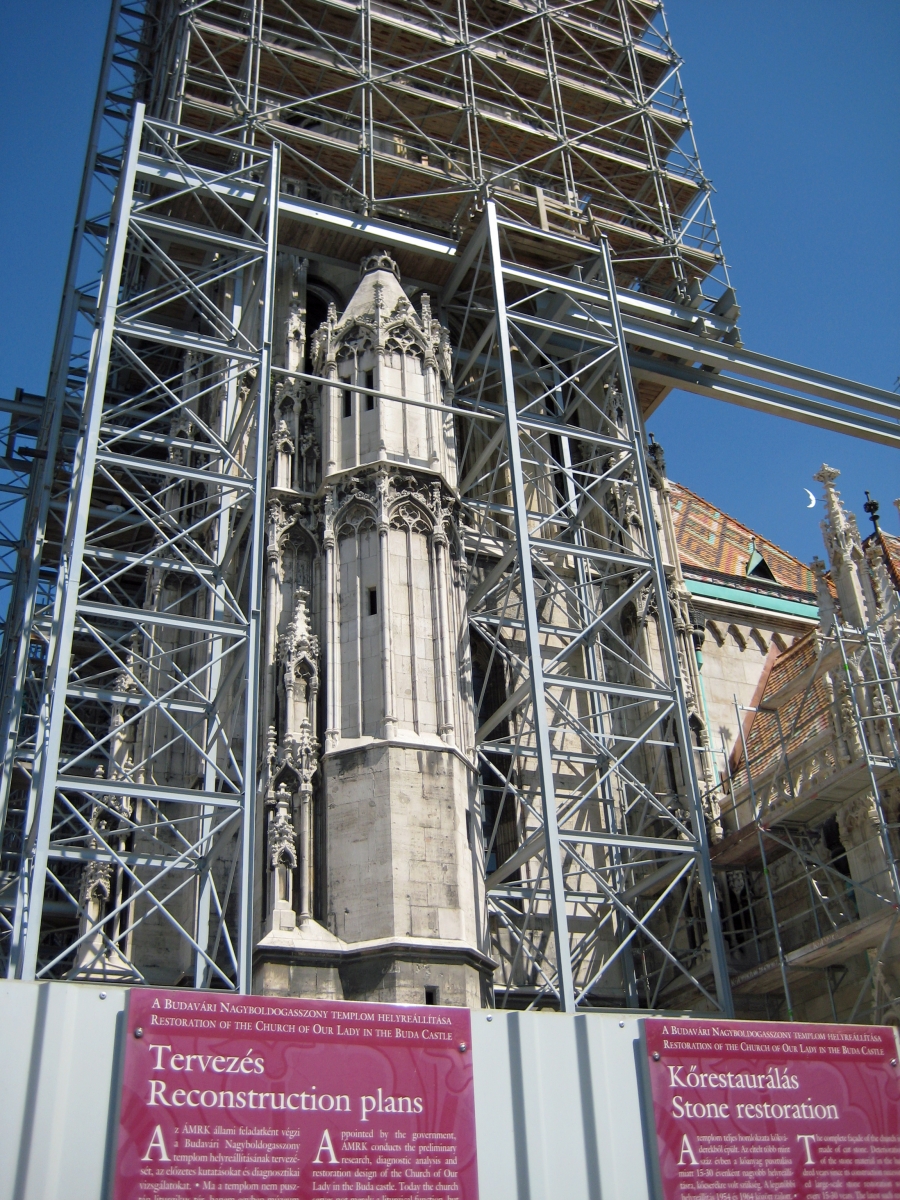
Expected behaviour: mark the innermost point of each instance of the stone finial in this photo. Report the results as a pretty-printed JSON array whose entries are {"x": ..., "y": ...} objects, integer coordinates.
[
  {"x": 826, "y": 475},
  {"x": 845, "y": 553}
]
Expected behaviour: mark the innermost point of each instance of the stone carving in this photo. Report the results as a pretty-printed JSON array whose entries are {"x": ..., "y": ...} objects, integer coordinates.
[{"x": 282, "y": 836}]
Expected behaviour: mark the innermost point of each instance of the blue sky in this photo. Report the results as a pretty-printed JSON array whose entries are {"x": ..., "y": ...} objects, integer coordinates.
[
  {"x": 797, "y": 114},
  {"x": 796, "y": 107}
]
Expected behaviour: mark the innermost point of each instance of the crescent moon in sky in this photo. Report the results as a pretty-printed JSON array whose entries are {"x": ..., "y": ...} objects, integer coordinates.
[{"x": 812, "y": 499}]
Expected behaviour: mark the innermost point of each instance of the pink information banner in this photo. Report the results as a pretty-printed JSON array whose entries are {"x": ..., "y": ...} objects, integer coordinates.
[
  {"x": 250, "y": 1098},
  {"x": 767, "y": 1110}
]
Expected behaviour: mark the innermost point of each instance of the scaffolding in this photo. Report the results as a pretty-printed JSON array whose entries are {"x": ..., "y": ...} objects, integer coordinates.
[
  {"x": 49, "y": 427},
  {"x": 809, "y": 870},
  {"x": 532, "y": 170}
]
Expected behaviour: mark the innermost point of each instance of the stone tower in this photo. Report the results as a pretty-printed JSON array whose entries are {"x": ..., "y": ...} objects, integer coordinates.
[{"x": 372, "y": 844}]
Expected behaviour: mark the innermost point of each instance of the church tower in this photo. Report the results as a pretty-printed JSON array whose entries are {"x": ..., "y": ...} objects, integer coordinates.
[{"x": 371, "y": 795}]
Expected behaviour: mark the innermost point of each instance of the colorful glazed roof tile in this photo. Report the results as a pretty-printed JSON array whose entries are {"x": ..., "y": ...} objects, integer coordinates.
[
  {"x": 804, "y": 719},
  {"x": 890, "y": 547},
  {"x": 709, "y": 540}
]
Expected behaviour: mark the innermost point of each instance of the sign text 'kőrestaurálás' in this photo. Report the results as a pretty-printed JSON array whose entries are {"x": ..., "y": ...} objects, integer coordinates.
[{"x": 773, "y": 1110}]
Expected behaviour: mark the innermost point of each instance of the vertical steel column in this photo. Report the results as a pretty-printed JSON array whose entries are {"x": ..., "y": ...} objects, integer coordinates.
[
  {"x": 366, "y": 118},
  {"x": 656, "y": 172},
  {"x": 150, "y": 630},
  {"x": 669, "y": 648},
  {"x": 532, "y": 635},
  {"x": 257, "y": 583}
]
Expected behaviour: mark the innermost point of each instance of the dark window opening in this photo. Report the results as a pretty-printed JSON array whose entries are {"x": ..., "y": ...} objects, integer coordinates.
[
  {"x": 431, "y": 995},
  {"x": 498, "y": 800},
  {"x": 738, "y": 904},
  {"x": 370, "y": 383},
  {"x": 348, "y": 403},
  {"x": 316, "y": 314},
  {"x": 762, "y": 570},
  {"x": 836, "y": 851},
  {"x": 757, "y": 567},
  {"x": 373, "y": 602},
  {"x": 831, "y": 836}
]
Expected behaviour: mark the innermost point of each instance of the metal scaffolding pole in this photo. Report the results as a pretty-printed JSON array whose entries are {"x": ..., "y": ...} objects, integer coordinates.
[
  {"x": 836, "y": 750},
  {"x": 147, "y": 774}
]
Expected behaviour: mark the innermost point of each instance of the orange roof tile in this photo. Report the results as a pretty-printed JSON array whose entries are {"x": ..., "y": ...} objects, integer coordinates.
[
  {"x": 713, "y": 541},
  {"x": 890, "y": 547},
  {"x": 803, "y": 717}
]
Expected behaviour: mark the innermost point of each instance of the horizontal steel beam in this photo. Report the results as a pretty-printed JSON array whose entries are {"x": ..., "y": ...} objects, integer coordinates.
[
  {"x": 183, "y": 232},
  {"x": 24, "y": 408},
  {"x": 371, "y": 228},
  {"x": 159, "y": 466},
  {"x": 184, "y": 339},
  {"x": 855, "y": 409},
  {"x": 776, "y": 403},
  {"x": 586, "y": 837},
  {"x": 634, "y": 305},
  {"x": 746, "y": 363},
  {"x": 132, "y": 700},
  {"x": 147, "y": 791},
  {"x": 136, "y": 861},
  {"x": 144, "y": 616},
  {"x": 156, "y": 561},
  {"x": 658, "y": 324},
  {"x": 307, "y": 212}
]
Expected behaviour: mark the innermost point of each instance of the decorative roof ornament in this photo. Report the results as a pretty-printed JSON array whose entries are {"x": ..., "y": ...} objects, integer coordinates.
[
  {"x": 845, "y": 552},
  {"x": 379, "y": 261},
  {"x": 871, "y": 507}
]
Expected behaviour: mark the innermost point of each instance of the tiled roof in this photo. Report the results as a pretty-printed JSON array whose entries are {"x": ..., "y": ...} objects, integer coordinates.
[
  {"x": 713, "y": 541},
  {"x": 890, "y": 547},
  {"x": 803, "y": 717}
]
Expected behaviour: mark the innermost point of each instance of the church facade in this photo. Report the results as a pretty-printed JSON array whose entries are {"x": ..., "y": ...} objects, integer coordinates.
[{"x": 376, "y": 824}]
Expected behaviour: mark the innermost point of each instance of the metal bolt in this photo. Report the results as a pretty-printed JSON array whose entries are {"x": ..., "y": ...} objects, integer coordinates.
[
  {"x": 463, "y": 1047},
  {"x": 656, "y": 1056},
  {"x": 893, "y": 1060},
  {"x": 103, "y": 995},
  {"x": 490, "y": 1018},
  {"x": 139, "y": 1032},
  {"x": 621, "y": 1024}
]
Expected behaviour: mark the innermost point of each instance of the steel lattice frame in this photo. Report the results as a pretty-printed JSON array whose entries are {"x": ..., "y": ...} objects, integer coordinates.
[
  {"x": 571, "y": 237},
  {"x": 572, "y": 112},
  {"x": 142, "y": 763},
  {"x": 563, "y": 544},
  {"x": 29, "y": 614}
]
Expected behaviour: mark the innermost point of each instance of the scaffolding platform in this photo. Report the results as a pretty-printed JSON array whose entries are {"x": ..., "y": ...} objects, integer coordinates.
[
  {"x": 820, "y": 800},
  {"x": 835, "y": 947},
  {"x": 742, "y": 849}
]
